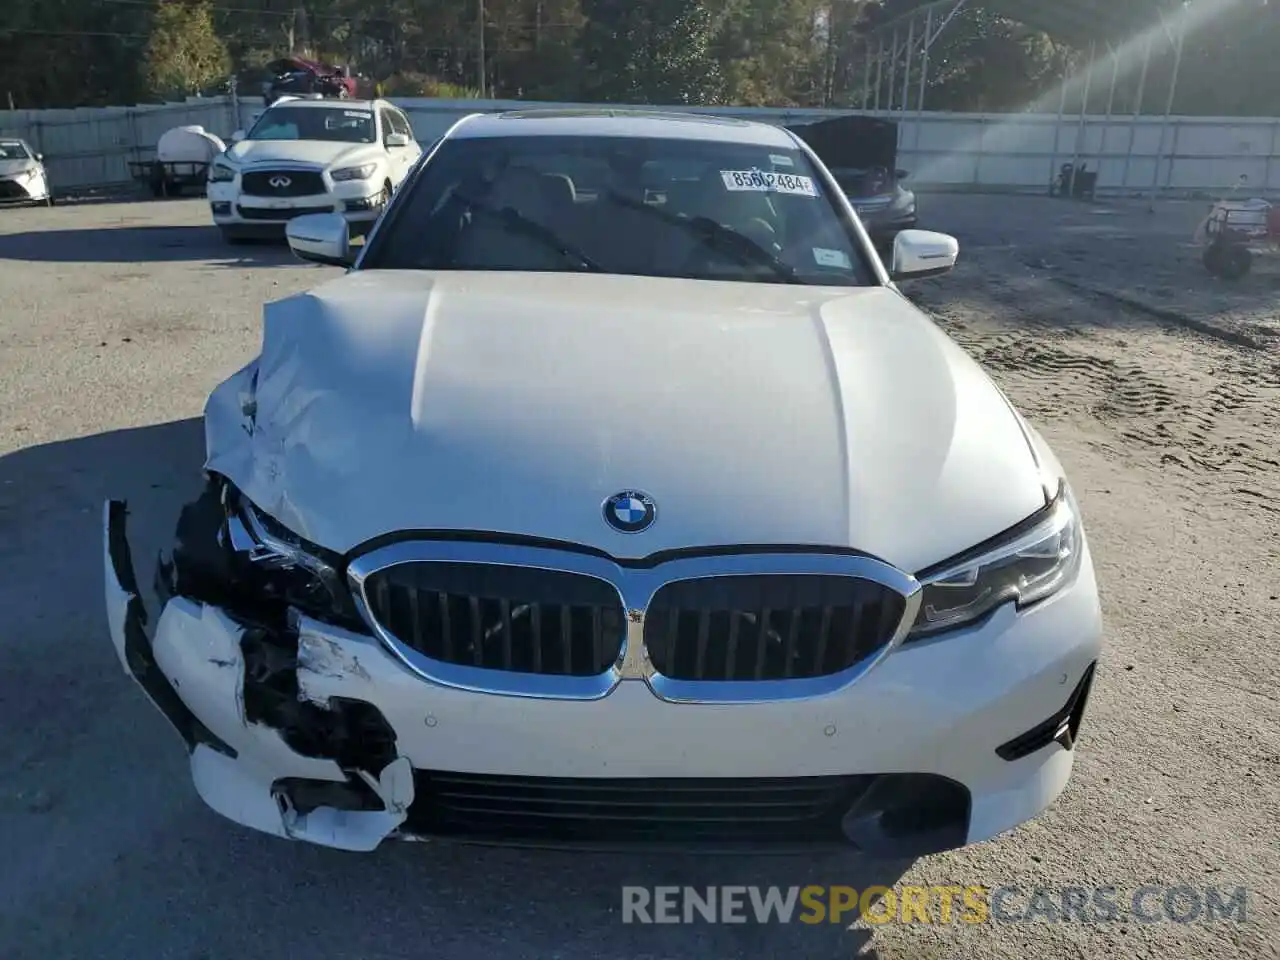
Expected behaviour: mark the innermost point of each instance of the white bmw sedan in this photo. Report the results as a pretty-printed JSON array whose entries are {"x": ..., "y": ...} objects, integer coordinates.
[
  {"x": 311, "y": 156},
  {"x": 616, "y": 494}
]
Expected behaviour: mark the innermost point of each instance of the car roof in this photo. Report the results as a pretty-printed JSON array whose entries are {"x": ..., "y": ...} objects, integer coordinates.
[
  {"x": 330, "y": 102},
  {"x": 607, "y": 122}
]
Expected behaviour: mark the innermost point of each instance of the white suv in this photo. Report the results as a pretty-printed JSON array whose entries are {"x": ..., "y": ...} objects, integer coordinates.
[{"x": 311, "y": 156}]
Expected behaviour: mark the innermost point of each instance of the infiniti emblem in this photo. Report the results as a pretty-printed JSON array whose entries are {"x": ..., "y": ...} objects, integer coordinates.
[
  {"x": 630, "y": 511},
  {"x": 280, "y": 182}
]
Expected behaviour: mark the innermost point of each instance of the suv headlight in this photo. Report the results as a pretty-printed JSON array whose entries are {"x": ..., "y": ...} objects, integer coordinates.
[
  {"x": 221, "y": 172},
  {"x": 1031, "y": 562},
  {"x": 362, "y": 172},
  {"x": 904, "y": 202}
]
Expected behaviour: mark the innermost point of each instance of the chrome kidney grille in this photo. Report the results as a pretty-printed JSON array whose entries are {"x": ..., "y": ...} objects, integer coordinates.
[
  {"x": 545, "y": 622},
  {"x": 768, "y": 627},
  {"x": 540, "y": 622}
]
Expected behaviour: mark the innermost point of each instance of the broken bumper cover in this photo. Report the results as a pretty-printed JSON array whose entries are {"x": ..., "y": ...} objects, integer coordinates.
[
  {"x": 314, "y": 732},
  {"x": 245, "y": 769}
]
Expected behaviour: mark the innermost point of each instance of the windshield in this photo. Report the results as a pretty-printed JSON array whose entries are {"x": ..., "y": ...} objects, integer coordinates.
[
  {"x": 652, "y": 207},
  {"x": 13, "y": 150},
  {"x": 342, "y": 125}
]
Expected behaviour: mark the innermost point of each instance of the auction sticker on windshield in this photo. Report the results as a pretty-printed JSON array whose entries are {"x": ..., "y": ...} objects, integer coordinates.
[{"x": 768, "y": 182}]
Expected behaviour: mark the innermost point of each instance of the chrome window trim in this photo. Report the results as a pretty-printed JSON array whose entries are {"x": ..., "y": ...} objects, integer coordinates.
[{"x": 636, "y": 587}]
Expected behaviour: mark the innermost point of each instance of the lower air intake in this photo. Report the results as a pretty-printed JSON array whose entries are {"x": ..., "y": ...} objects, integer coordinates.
[{"x": 557, "y": 811}]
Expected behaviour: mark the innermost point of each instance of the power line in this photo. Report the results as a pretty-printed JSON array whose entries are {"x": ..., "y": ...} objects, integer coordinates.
[
  {"x": 334, "y": 17},
  {"x": 72, "y": 34},
  {"x": 8, "y": 32}
]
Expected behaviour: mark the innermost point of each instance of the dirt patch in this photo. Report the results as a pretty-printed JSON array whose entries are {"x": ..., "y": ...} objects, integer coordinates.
[{"x": 1176, "y": 389}]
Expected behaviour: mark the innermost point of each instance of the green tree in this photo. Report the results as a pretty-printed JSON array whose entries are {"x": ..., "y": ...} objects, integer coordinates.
[
  {"x": 655, "y": 52},
  {"x": 184, "y": 53},
  {"x": 773, "y": 51}
]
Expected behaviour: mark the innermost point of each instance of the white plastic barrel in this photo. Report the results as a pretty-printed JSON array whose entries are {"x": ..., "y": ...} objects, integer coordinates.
[{"x": 191, "y": 144}]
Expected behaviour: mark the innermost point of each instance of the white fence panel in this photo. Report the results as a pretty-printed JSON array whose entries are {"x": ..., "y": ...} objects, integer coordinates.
[{"x": 91, "y": 147}]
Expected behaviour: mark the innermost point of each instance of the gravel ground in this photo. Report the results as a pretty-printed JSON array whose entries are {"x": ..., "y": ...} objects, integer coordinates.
[{"x": 1159, "y": 388}]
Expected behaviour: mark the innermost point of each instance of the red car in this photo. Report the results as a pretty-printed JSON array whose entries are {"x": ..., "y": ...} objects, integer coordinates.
[{"x": 293, "y": 75}]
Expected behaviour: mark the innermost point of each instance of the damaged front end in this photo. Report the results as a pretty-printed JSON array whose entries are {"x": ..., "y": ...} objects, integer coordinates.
[{"x": 241, "y": 661}]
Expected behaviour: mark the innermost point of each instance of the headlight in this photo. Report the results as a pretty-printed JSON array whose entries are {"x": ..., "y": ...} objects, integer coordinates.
[
  {"x": 280, "y": 567},
  {"x": 362, "y": 172},
  {"x": 221, "y": 173},
  {"x": 1032, "y": 562},
  {"x": 904, "y": 203}
]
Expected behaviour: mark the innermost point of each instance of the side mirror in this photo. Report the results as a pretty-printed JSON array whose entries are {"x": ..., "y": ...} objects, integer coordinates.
[
  {"x": 396, "y": 140},
  {"x": 321, "y": 238},
  {"x": 922, "y": 253},
  {"x": 901, "y": 174},
  {"x": 40, "y": 157},
  {"x": 237, "y": 136}
]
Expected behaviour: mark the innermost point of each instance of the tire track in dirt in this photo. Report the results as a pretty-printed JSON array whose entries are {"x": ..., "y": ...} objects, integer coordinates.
[{"x": 1205, "y": 406}]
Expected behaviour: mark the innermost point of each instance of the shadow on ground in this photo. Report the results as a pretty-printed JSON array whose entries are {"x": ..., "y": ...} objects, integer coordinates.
[
  {"x": 140, "y": 244},
  {"x": 113, "y": 856}
]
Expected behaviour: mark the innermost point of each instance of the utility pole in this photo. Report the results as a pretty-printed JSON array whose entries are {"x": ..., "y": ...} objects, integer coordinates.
[{"x": 480, "y": 73}]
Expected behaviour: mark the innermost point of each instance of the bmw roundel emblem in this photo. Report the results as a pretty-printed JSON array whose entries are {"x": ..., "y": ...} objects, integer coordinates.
[{"x": 630, "y": 511}]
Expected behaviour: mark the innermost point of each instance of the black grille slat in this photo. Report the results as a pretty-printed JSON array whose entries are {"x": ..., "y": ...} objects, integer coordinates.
[
  {"x": 704, "y": 635},
  {"x": 793, "y": 629},
  {"x": 415, "y": 618},
  {"x": 764, "y": 811},
  {"x": 506, "y": 634},
  {"x": 824, "y": 637},
  {"x": 500, "y": 617},
  {"x": 597, "y": 636},
  {"x": 762, "y": 644},
  {"x": 731, "y": 654},
  {"x": 566, "y": 637},
  {"x": 477, "y": 631},
  {"x": 287, "y": 213},
  {"x": 535, "y": 622},
  {"x": 768, "y": 626},
  {"x": 446, "y": 626},
  {"x": 302, "y": 183}
]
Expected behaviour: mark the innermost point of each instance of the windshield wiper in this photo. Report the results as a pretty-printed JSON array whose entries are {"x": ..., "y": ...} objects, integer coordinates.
[
  {"x": 517, "y": 221},
  {"x": 715, "y": 235}
]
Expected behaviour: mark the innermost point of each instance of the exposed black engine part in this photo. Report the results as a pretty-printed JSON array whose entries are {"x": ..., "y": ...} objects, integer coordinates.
[
  {"x": 202, "y": 567},
  {"x": 208, "y": 565},
  {"x": 352, "y": 733}
]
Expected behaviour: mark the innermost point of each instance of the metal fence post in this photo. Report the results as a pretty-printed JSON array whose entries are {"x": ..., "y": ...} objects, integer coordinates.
[
  {"x": 235, "y": 105},
  {"x": 1271, "y": 156},
  {"x": 1057, "y": 132}
]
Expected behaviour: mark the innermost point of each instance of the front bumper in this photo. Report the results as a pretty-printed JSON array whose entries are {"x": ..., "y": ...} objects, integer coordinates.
[
  {"x": 360, "y": 201},
  {"x": 23, "y": 189},
  {"x": 944, "y": 743}
]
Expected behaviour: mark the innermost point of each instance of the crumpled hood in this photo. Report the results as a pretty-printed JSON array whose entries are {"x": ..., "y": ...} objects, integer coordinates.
[
  {"x": 319, "y": 152},
  {"x": 11, "y": 168},
  {"x": 751, "y": 413}
]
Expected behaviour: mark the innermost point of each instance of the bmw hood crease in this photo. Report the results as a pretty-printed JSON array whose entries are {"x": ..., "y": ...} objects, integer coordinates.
[{"x": 517, "y": 404}]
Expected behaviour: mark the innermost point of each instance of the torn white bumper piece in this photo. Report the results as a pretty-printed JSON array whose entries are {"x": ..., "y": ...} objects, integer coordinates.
[{"x": 193, "y": 669}]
